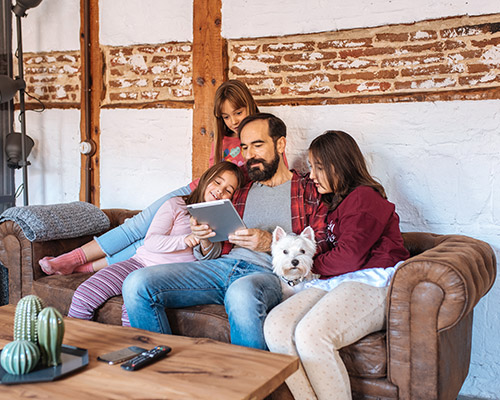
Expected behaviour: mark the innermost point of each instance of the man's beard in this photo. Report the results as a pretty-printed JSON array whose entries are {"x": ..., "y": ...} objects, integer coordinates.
[{"x": 268, "y": 170}]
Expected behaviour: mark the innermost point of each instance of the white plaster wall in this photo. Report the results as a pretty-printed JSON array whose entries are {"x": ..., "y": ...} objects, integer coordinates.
[
  {"x": 243, "y": 18},
  {"x": 53, "y": 25},
  {"x": 144, "y": 155},
  {"x": 54, "y": 173},
  {"x": 147, "y": 21},
  {"x": 440, "y": 165}
]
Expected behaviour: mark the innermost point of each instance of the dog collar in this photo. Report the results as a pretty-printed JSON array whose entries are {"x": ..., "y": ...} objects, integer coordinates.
[{"x": 292, "y": 282}]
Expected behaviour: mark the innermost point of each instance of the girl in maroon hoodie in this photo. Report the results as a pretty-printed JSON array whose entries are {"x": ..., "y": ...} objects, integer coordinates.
[{"x": 348, "y": 302}]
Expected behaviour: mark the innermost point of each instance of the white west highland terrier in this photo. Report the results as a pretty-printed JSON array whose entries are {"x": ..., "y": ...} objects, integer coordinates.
[{"x": 293, "y": 259}]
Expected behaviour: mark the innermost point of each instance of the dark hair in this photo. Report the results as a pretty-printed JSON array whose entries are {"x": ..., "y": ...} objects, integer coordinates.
[
  {"x": 277, "y": 127},
  {"x": 342, "y": 159},
  {"x": 197, "y": 195},
  {"x": 238, "y": 94}
]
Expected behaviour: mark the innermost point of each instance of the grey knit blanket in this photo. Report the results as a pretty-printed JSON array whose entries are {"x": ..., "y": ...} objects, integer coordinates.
[{"x": 57, "y": 221}]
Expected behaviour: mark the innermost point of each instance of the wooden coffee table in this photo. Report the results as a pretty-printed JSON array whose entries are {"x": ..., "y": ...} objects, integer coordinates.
[{"x": 195, "y": 369}]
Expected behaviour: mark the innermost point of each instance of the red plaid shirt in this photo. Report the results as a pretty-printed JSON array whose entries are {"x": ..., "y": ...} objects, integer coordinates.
[{"x": 307, "y": 209}]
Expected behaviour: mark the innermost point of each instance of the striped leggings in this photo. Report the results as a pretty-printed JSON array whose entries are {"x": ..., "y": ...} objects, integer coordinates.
[{"x": 100, "y": 287}]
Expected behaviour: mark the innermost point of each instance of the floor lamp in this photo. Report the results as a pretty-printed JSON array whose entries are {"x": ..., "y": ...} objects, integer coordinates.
[{"x": 8, "y": 89}]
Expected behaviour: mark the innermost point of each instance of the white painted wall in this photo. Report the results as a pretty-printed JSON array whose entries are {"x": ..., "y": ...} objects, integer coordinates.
[
  {"x": 54, "y": 173},
  {"x": 256, "y": 18},
  {"x": 53, "y": 25},
  {"x": 144, "y": 155},
  {"x": 130, "y": 22}
]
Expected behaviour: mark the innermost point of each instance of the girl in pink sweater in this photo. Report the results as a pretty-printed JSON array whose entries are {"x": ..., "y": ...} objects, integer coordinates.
[{"x": 169, "y": 239}]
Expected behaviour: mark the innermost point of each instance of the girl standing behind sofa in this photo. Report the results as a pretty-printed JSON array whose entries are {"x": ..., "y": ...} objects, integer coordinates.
[
  {"x": 169, "y": 239},
  {"x": 350, "y": 301},
  {"x": 233, "y": 102}
]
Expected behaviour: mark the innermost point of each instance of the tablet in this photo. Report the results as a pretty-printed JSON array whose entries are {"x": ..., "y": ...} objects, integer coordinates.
[{"x": 220, "y": 215}]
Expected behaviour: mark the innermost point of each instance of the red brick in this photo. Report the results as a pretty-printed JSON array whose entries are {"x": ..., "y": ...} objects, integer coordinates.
[
  {"x": 262, "y": 91},
  {"x": 348, "y": 64},
  {"x": 304, "y": 91},
  {"x": 345, "y": 43},
  {"x": 119, "y": 83},
  {"x": 150, "y": 95},
  {"x": 122, "y": 96},
  {"x": 147, "y": 49},
  {"x": 430, "y": 70},
  {"x": 366, "y": 76},
  {"x": 411, "y": 61},
  {"x": 309, "y": 56},
  {"x": 246, "y": 49},
  {"x": 120, "y": 51},
  {"x": 279, "y": 47},
  {"x": 476, "y": 68},
  {"x": 475, "y": 80},
  {"x": 435, "y": 83},
  {"x": 294, "y": 68},
  {"x": 485, "y": 43},
  {"x": 392, "y": 37},
  {"x": 423, "y": 35},
  {"x": 265, "y": 58},
  {"x": 470, "y": 30},
  {"x": 293, "y": 79},
  {"x": 168, "y": 82},
  {"x": 372, "y": 51},
  {"x": 238, "y": 71},
  {"x": 169, "y": 58},
  {"x": 259, "y": 81}
]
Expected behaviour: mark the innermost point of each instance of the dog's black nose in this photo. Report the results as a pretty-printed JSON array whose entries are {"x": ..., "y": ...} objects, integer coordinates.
[{"x": 295, "y": 262}]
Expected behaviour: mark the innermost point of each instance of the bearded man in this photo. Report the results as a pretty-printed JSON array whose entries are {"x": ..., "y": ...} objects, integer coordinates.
[{"x": 237, "y": 273}]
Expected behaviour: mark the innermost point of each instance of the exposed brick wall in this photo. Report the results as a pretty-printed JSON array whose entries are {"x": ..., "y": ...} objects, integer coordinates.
[
  {"x": 420, "y": 61},
  {"x": 53, "y": 77},
  {"x": 148, "y": 73},
  {"x": 454, "y": 54},
  {"x": 132, "y": 75}
]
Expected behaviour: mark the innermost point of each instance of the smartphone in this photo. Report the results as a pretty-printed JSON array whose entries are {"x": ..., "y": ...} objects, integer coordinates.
[{"x": 119, "y": 356}]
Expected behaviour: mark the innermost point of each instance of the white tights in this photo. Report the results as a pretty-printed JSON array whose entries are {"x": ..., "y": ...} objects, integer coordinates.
[{"x": 315, "y": 324}]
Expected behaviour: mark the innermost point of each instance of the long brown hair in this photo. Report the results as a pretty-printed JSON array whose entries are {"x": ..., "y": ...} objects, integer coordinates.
[
  {"x": 197, "y": 195},
  {"x": 240, "y": 97},
  {"x": 344, "y": 165}
]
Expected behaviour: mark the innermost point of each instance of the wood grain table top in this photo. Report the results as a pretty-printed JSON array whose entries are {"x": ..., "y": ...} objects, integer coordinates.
[{"x": 195, "y": 369}]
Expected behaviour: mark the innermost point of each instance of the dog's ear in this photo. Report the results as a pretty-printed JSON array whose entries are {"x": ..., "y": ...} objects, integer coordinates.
[
  {"x": 308, "y": 233},
  {"x": 278, "y": 233}
]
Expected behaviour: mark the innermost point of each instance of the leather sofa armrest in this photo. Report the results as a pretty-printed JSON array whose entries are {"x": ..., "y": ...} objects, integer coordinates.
[
  {"x": 117, "y": 216},
  {"x": 430, "y": 305},
  {"x": 20, "y": 256}
]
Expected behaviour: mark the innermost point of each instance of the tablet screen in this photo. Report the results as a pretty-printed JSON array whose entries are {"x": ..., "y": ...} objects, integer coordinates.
[{"x": 220, "y": 215}]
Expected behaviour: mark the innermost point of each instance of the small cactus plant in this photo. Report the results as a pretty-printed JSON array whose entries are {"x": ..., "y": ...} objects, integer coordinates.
[
  {"x": 26, "y": 318},
  {"x": 20, "y": 357},
  {"x": 50, "y": 335}
]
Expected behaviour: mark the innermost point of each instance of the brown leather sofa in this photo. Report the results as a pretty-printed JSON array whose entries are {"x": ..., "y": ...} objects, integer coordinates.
[{"x": 423, "y": 353}]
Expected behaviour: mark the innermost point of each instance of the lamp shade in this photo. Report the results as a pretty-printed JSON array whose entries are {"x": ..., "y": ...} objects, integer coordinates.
[
  {"x": 22, "y": 5},
  {"x": 9, "y": 87},
  {"x": 14, "y": 151}
]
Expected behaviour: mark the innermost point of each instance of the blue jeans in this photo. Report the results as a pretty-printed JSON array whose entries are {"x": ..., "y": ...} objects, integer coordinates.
[
  {"x": 121, "y": 243},
  {"x": 248, "y": 292}
]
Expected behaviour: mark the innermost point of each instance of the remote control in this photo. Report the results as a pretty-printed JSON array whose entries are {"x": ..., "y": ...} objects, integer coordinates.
[{"x": 146, "y": 358}]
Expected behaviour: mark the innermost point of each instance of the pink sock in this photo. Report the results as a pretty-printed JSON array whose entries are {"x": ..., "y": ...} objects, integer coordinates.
[
  {"x": 85, "y": 268},
  {"x": 63, "y": 264}
]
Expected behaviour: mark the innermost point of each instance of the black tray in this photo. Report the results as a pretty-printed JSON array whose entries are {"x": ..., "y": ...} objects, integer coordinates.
[{"x": 72, "y": 359}]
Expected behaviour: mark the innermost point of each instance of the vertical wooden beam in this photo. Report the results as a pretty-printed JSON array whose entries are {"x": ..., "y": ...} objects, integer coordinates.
[
  {"x": 92, "y": 90},
  {"x": 209, "y": 71}
]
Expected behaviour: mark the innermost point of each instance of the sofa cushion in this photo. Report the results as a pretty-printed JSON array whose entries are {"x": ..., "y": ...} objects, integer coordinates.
[{"x": 198, "y": 321}]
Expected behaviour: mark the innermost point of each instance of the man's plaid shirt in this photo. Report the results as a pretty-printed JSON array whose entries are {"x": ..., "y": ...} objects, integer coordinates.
[{"x": 307, "y": 209}]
